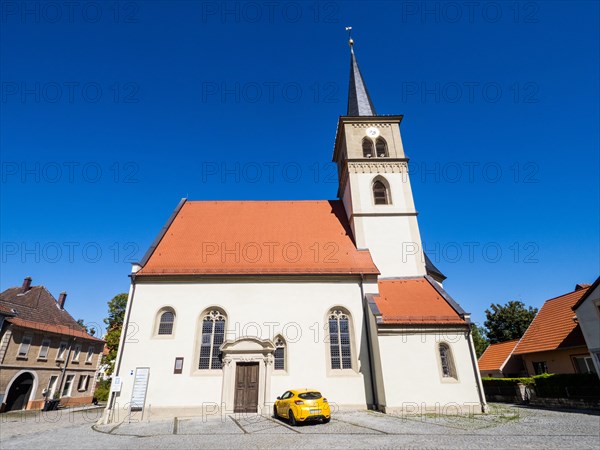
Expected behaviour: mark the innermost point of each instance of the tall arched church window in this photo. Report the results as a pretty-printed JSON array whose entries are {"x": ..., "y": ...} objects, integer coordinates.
[
  {"x": 367, "y": 146},
  {"x": 446, "y": 361},
  {"x": 279, "y": 363},
  {"x": 339, "y": 340},
  {"x": 381, "y": 147},
  {"x": 213, "y": 334},
  {"x": 380, "y": 193}
]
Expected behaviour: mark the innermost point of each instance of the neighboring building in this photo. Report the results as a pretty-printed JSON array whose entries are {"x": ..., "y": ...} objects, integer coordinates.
[
  {"x": 38, "y": 337},
  {"x": 238, "y": 301},
  {"x": 498, "y": 361},
  {"x": 554, "y": 343},
  {"x": 587, "y": 309}
]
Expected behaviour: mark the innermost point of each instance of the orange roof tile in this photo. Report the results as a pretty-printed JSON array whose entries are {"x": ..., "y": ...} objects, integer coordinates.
[
  {"x": 259, "y": 237},
  {"x": 50, "y": 328},
  {"x": 414, "y": 301},
  {"x": 553, "y": 327},
  {"x": 496, "y": 355}
]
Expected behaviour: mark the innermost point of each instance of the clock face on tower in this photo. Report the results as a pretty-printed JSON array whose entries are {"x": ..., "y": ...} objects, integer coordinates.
[{"x": 372, "y": 132}]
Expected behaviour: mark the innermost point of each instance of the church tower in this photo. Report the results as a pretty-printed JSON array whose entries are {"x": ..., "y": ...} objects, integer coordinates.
[{"x": 374, "y": 184}]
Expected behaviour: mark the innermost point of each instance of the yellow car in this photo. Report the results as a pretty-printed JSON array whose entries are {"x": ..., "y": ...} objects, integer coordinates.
[{"x": 302, "y": 405}]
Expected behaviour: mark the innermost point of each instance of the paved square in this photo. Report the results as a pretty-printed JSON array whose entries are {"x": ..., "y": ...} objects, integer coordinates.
[{"x": 505, "y": 427}]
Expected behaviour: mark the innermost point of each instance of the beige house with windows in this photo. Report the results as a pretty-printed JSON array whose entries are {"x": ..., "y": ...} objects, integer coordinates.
[
  {"x": 237, "y": 302},
  {"x": 44, "y": 352}
]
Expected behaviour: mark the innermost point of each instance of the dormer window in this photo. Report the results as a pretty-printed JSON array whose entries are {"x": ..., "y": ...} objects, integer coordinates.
[{"x": 367, "y": 145}]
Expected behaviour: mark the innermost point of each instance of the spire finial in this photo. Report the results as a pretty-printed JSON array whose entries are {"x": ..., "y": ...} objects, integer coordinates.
[
  {"x": 350, "y": 40},
  {"x": 359, "y": 101}
]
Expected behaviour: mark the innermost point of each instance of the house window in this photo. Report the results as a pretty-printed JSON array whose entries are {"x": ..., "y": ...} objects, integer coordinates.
[
  {"x": 540, "y": 367},
  {"x": 167, "y": 319},
  {"x": 380, "y": 193},
  {"x": 279, "y": 354},
  {"x": 381, "y": 147},
  {"x": 367, "y": 146},
  {"x": 61, "y": 350},
  {"x": 83, "y": 383},
  {"x": 446, "y": 361},
  {"x": 44, "y": 349},
  {"x": 68, "y": 386},
  {"x": 213, "y": 334},
  {"x": 76, "y": 353},
  {"x": 24, "y": 347},
  {"x": 584, "y": 364},
  {"x": 339, "y": 340},
  {"x": 90, "y": 354}
]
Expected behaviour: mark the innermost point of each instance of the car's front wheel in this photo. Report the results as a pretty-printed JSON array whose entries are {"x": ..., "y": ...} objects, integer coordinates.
[
  {"x": 292, "y": 418},
  {"x": 275, "y": 412},
  {"x": 326, "y": 419}
]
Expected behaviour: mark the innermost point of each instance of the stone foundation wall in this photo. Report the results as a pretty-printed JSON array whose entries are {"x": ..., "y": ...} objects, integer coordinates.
[{"x": 565, "y": 403}]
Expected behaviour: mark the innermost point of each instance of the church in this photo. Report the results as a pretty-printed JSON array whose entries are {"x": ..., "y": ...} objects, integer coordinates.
[{"x": 236, "y": 302}]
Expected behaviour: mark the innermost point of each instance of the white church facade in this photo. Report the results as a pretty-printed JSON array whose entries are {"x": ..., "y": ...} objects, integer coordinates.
[{"x": 236, "y": 302}]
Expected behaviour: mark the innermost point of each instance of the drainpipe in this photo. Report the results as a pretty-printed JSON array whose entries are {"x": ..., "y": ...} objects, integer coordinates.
[
  {"x": 484, "y": 407},
  {"x": 369, "y": 343}
]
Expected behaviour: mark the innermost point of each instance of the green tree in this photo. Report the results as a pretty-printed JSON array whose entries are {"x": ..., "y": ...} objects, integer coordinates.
[
  {"x": 114, "y": 324},
  {"x": 90, "y": 330},
  {"x": 506, "y": 322},
  {"x": 479, "y": 340}
]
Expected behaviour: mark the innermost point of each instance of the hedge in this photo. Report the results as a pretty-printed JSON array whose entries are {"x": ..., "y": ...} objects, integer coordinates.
[
  {"x": 567, "y": 385},
  {"x": 507, "y": 381},
  {"x": 552, "y": 385}
]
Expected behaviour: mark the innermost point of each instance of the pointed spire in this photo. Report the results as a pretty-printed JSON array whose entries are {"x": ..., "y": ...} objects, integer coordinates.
[{"x": 359, "y": 101}]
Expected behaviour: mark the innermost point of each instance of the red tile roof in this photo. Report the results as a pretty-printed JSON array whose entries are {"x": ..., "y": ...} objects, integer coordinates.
[
  {"x": 414, "y": 301},
  {"x": 58, "y": 329},
  {"x": 496, "y": 355},
  {"x": 5, "y": 310},
  {"x": 259, "y": 237},
  {"x": 37, "y": 309},
  {"x": 553, "y": 327}
]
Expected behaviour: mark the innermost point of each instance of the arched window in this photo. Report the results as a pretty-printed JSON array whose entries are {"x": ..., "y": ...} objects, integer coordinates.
[
  {"x": 367, "y": 145},
  {"x": 381, "y": 147},
  {"x": 339, "y": 340},
  {"x": 446, "y": 361},
  {"x": 164, "y": 324},
  {"x": 279, "y": 354},
  {"x": 381, "y": 195},
  {"x": 167, "y": 319},
  {"x": 213, "y": 334}
]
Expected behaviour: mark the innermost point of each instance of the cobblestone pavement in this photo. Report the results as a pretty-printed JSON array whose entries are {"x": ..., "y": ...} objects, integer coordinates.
[{"x": 505, "y": 427}]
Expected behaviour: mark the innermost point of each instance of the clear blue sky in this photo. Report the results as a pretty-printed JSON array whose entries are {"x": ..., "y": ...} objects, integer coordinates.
[{"x": 109, "y": 115}]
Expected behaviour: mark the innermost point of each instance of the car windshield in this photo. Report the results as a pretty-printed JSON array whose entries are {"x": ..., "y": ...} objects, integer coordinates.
[{"x": 310, "y": 395}]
